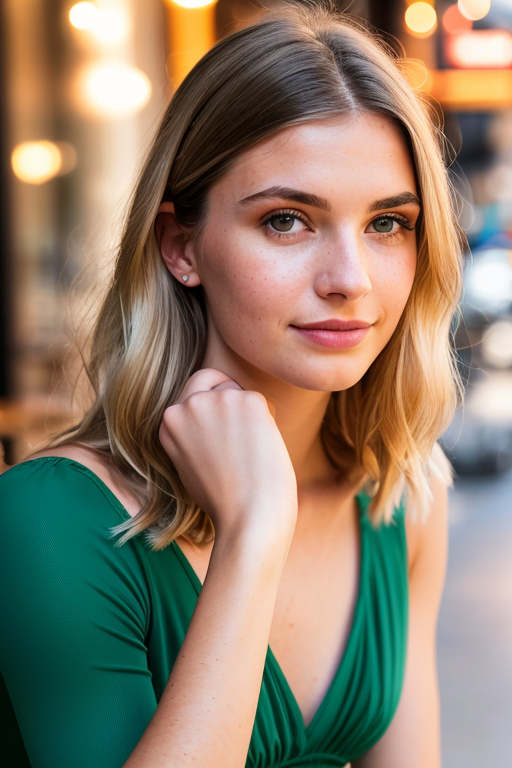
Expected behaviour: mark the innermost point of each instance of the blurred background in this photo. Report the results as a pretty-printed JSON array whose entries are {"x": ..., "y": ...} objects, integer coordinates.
[{"x": 83, "y": 86}]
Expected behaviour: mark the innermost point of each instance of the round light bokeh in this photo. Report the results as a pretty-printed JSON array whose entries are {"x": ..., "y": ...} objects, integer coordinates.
[
  {"x": 421, "y": 18},
  {"x": 83, "y": 15},
  {"x": 36, "y": 162},
  {"x": 112, "y": 90},
  {"x": 474, "y": 9}
]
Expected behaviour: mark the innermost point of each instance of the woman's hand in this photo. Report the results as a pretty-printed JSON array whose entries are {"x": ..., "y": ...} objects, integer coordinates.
[
  {"x": 233, "y": 462},
  {"x": 230, "y": 456}
]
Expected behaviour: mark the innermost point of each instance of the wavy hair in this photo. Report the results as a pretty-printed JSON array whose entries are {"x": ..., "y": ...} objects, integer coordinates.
[{"x": 293, "y": 66}]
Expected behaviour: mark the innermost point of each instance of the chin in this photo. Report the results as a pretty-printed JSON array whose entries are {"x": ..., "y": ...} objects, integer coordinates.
[
  {"x": 304, "y": 371},
  {"x": 314, "y": 379}
]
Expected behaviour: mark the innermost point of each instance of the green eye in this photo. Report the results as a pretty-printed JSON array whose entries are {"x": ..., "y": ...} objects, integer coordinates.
[
  {"x": 384, "y": 224},
  {"x": 283, "y": 222}
]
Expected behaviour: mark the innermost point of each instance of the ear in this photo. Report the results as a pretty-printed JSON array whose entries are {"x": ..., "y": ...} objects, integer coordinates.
[{"x": 175, "y": 246}]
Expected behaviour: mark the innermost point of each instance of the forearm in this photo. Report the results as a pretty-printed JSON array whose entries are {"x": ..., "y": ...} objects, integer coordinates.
[{"x": 206, "y": 713}]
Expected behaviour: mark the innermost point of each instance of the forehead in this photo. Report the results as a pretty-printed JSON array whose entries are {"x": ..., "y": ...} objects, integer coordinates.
[{"x": 365, "y": 155}]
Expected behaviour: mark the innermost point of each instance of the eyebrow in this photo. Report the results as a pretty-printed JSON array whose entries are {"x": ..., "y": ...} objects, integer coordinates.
[
  {"x": 394, "y": 202},
  {"x": 287, "y": 193}
]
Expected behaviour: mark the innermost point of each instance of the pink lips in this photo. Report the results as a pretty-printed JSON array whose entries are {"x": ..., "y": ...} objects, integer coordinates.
[{"x": 334, "y": 333}]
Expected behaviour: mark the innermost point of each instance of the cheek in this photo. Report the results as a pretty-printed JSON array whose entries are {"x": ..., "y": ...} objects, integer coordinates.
[
  {"x": 244, "y": 286},
  {"x": 394, "y": 281}
]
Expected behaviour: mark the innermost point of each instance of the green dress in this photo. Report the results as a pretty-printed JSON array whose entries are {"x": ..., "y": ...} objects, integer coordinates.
[{"x": 90, "y": 634}]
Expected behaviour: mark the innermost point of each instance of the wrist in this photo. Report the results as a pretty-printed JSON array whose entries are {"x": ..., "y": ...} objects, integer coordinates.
[{"x": 254, "y": 545}]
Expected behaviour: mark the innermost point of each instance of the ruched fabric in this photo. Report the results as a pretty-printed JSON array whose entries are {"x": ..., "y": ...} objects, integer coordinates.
[{"x": 90, "y": 634}]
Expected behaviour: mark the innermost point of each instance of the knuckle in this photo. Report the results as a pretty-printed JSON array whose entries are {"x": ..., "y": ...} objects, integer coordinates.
[
  {"x": 228, "y": 395},
  {"x": 193, "y": 400},
  {"x": 256, "y": 399},
  {"x": 169, "y": 415}
]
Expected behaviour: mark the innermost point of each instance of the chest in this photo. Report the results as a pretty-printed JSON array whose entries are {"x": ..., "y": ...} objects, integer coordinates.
[
  {"x": 315, "y": 604},
  {"x": 338, "y": 641},
  {"x": 314, "y": 612}
]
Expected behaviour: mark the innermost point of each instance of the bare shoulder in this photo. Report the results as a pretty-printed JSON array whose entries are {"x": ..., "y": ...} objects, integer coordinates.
[
  {"x": 90, "y": 459},
  {"x": 427, "y": 543},
  {"x": 79, "y": 453}
]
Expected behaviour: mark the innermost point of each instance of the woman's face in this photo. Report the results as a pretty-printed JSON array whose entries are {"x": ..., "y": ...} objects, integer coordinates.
[{"x": 313, "y": 226}]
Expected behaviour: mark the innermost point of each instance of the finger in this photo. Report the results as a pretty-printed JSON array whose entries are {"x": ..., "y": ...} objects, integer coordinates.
[
  {"x": 203, "y": 381},
  {"x": 227, "y": 385},
  {"x": 166, "y": 440}
]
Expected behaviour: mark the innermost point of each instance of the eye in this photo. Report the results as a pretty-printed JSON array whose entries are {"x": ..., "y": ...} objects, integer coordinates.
[
  {"x": 390, "y": 224},
  {"x": 282, "y": 223},
  {"x": 384, "y": 224}
]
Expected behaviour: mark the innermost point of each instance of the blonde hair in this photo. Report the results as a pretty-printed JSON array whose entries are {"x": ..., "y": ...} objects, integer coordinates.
[{"x": 294, "y": 66}]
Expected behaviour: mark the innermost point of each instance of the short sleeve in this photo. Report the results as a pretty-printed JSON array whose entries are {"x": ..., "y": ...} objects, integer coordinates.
[{"x": 75, "y": 613}]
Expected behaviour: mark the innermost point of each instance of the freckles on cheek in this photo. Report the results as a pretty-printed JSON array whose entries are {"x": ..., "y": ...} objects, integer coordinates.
[
  {"x": 396, "y": 282},
  {"x": 239, "y": 292}
]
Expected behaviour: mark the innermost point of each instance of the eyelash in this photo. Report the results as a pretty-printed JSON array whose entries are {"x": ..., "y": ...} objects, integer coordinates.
[
  {"x": 402, "y": 220},
  {"x": 284, "y": 212}
]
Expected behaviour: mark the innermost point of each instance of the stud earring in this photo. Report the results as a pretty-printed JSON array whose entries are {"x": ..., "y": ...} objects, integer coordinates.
[{"x": 185, "y": 278}]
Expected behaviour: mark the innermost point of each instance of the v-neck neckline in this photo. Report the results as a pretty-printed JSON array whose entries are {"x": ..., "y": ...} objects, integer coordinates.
[
  {"x": 351, "y": 638},
  {"x": 271, "y": 659}
]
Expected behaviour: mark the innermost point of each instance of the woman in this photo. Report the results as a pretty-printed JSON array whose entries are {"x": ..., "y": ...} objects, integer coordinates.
[{"x": 271, "y": 369}]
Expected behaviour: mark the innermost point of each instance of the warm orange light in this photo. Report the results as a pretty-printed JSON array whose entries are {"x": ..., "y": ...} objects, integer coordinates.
[
  {"x": 421, "y": 19},
  {"x": 474, "y": 9},
  {"x": 454, "y": 21},
  {"x": 36, "y": 162},
  {"x": 112, "y": 25},
  {"x": 112, "y": 90},
  {"x": 192, "y": 32},
  {"x": 481, "y": 48},
  {"x": 193, "y": 3},
  {"x": 471, "y": 89},
  {"x": 83, "y": 15}
]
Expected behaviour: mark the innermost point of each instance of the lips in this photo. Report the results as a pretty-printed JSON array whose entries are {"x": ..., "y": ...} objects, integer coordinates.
[
  {"x": 335, "y": 324},
  {"x": 334, "y": 333}
]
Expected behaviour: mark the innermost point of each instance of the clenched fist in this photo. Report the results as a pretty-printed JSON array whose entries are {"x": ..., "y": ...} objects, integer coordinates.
[{"x": 230, "y": 456}]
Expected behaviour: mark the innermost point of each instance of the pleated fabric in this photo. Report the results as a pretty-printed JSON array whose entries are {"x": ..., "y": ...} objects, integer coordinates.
[{"x": 91, "y": 634}]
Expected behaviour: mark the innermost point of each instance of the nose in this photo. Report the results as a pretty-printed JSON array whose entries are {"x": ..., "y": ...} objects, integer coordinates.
[{"x": 342, "y": 268}]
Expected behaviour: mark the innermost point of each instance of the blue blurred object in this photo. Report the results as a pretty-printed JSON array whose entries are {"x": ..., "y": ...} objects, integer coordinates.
[{"x": 479, "y": 439}]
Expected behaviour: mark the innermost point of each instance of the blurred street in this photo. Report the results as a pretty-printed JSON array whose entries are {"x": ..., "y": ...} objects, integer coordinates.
[{"x": 475, "y": 628}]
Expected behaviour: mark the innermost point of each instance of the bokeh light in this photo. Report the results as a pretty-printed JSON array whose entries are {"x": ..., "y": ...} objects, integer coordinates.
[
  {"x": 193, "y": 3},
  {"x": 83, "y": 15},
  {"x": 474, "y": 9},
  {"x": 421, "y": 18},
  {"x": 489, "y": 284},
  {"x": 112, "y": 25},
  {"x": 481, "y": 49},
  {"x": 497, "y": 344},
  {"x": 454, "y": 21},
  {"x": 112, "y": 90},
  {"x": 36, "y": 162}
]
